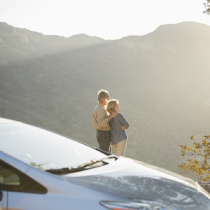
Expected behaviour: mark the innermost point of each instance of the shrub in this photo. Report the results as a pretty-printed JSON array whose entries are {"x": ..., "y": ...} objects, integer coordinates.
[{"x": 200, "y": 165}]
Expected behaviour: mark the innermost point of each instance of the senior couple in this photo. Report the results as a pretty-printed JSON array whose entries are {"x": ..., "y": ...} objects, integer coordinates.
[{"x": 110, "y": 125}]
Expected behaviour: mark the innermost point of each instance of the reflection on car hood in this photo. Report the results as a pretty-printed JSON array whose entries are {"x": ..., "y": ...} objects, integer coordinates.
[{"x": 136, "y": 180}]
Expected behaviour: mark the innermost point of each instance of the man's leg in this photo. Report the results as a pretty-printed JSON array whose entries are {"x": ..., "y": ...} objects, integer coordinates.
[{"x": 104, "y": 140}]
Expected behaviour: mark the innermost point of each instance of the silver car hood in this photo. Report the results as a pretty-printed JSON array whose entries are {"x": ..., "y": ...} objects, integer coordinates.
[{"x": 136, "y": 180}]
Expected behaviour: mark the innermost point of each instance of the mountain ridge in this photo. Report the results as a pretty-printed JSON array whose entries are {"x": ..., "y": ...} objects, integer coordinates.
[{"x": 161, "y": 80}]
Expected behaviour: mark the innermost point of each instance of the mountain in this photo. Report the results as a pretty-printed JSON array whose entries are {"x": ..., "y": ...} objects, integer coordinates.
[{"x": 161, "y": 80}]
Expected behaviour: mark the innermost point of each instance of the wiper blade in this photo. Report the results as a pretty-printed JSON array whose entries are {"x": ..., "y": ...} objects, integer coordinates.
[
  {"x": 64, "y": 170},
  {"x": 81, "y": 167},
  {"x": 94, "y": 161}
]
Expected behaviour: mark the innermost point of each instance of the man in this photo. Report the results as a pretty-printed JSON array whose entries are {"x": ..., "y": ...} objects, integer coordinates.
[{"x": 101, "y": 121}]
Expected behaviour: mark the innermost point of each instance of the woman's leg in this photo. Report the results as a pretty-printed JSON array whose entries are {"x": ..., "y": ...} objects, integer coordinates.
[
  {"x": 114, "y": 149},
  {"x": 119, "y": 149}
]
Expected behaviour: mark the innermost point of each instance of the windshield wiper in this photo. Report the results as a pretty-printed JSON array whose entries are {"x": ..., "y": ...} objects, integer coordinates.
[
  {"x": 94, "y": 161},
  {"x": 82, "y": 167}
]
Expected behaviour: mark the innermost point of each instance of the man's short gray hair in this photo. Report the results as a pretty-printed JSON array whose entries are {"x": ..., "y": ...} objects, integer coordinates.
[{"x": 102, "y": 93}]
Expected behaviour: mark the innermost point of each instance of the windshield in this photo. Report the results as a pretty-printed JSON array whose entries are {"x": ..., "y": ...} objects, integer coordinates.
[{"x": 43, "y": 149}]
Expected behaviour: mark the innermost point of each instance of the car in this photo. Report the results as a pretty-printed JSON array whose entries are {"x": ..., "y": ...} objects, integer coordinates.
[{"x": 43, "y": 170}]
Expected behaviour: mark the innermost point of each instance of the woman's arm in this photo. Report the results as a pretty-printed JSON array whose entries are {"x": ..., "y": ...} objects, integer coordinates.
[{"x": 123, "y": 121}]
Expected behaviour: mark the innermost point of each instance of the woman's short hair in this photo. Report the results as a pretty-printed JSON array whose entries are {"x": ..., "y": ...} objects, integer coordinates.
[
  {"x": 102, "y": 93},
  {"x": 111, "y": 104}
]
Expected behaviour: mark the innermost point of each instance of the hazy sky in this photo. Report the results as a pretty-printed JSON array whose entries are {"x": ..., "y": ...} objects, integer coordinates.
[{"x": 108, "y": 19}]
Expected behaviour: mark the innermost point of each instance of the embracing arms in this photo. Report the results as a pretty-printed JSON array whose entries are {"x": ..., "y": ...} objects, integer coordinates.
[{"x": 101, "y": 119}]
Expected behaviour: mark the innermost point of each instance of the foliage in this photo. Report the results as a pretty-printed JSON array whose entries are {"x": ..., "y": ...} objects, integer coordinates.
[
  {"x": 207, "y": 7},
  {"x": 200, "y": 167}
]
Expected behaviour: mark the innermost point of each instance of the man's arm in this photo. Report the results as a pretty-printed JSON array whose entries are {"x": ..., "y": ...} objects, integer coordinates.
[
  {"x": 112, "y": 115},
  {"x": 101, "y": 120},
  {"x": 123, "y": 127}
]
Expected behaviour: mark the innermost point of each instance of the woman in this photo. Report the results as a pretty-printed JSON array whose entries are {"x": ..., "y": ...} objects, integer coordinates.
[{"x": 119, "y": 137}]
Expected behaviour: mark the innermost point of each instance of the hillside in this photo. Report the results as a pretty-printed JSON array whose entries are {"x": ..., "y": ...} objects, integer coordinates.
[{"x": 161, "y": 80}]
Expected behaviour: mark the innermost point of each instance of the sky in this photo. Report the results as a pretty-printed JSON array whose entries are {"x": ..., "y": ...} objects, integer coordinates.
[{"x": 108, "y": 19}]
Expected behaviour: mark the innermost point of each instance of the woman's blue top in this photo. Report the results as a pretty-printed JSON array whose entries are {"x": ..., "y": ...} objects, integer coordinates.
[{"x": 117, "y": 133}]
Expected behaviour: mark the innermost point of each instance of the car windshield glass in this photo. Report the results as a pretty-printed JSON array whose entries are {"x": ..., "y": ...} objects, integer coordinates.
[{"x": 43, "y": 149}]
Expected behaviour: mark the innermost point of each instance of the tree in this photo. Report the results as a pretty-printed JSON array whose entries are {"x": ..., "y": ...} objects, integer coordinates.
[
  {"x": 207, "y": 7},
  {"x": 200, "y": 167}
]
